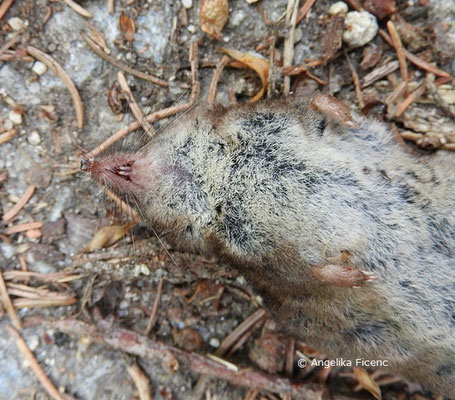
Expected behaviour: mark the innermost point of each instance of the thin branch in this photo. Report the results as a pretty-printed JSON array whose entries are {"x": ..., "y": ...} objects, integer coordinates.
[
  {"x": 133, "y": 343},
  {"x": 8, "y": 304},
  {"x": 142, "y": 75},
  {"x": 135, "y": 109},
  {"x": 9, "y": 215},
  {"x": 216, "y": 77},
  {"x": 156, "y": 303},
  {"x": 61, "y": 73},
  {"x": 36, "y": 368}
]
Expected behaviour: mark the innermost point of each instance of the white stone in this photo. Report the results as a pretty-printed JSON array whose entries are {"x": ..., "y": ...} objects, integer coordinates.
[
  {"x": 214, "y": 342},
  {"x": 15, "y": 117},
  {"x": 39, "y": 68},
  {"x": 251, "y": 1},
  {"x": 359, "y": 28},
  {"x": 191, "y": 28},
  {"x": 33, "y": 343},
  {"x": 16, "y": 24},
  {"x": 338, "y": 8},
  {"x": 34, "y": 138},
  {"x": 187, "y": 4}
]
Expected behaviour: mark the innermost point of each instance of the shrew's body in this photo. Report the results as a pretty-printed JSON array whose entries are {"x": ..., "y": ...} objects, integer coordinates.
[{"x": 349, "y": 238}]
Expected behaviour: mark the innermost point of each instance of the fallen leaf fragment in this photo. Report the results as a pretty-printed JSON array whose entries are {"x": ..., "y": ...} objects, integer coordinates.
[
  {"x": 107, "y": 236},
  {"x": 213, "y": 15},
  {"x": 254, "y": 61},
  {"x": 127, "y": 27},
  {"x": 98, "y": 37},
  {"x": 367, "y": 382}
]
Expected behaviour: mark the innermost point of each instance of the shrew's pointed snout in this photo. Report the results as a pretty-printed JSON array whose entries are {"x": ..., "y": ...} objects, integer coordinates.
[{"x": 87, "y": 164}]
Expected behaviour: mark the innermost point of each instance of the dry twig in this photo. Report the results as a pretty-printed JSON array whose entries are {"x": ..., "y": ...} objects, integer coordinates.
[
  {"x": 355, "y": 78},
  {"x": 304, "y": 10},
  {"x": 167, "y": 112},
  {"x": 154, "y": 313},
  {"x": 8, "y": 304},
  {"x": 141, "y": 381},
  {"x": 398, "y": 46},
  {"x": 61, "y": 73},
  {"x": 288, "y": 54},
  {"x": 142, "y": 75},
  {"x": 9, "y": 215},
  {"x": 136, "y": 110},
  {"x": 36, "y": 368},
  {"x": 4, "y": 7},
  {"x": 132, "y": 343},
  {"x": 416, "y": 60},
  {"x": 7, "y": 136},
  {"x": 23, "y": 227},
  {"x": 216, "y": 77}
]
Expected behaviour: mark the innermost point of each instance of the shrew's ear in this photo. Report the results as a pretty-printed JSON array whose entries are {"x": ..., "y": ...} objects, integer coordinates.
[{"x": 334, "y": 110}]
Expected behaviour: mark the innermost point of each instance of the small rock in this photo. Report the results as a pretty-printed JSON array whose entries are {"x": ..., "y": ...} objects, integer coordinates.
[
  {"x": 34, "y": 138},
  {"x": 187, "y": 4},
  {"x": 33, "y": 343},
  {"x": 16, "y": 24},
  {"x": 39, "y": 68},
  {"x": 40, "y": 176},
  {"x": 15, "y": 117},
  {"x": 191, "y": 28},
  {"x": 251, "y": 1},
  {"x": 360, "y": 28},
  {"x": 214, "y": 342},
  {"x": 338, "y": 8}
]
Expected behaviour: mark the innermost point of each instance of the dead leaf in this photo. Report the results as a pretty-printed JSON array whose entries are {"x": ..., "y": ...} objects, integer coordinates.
[
  {"x": 127, "y": 27},
  {"x": 254, "y": 61},
  {"x": 213, "y": 15},
  {"x": 367, "y": 382},
  {"x": 107, "y": 236}
]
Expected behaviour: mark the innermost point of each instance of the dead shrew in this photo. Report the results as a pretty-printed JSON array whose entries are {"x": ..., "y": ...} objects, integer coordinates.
[{"x": 347, "y": 236}]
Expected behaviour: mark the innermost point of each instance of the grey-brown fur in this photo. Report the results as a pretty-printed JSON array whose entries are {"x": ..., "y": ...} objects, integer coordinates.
[{"x": 279, "y": 189}]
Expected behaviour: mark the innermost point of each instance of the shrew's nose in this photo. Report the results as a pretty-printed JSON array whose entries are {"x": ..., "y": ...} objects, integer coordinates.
[{"x": 86, "y": 164}]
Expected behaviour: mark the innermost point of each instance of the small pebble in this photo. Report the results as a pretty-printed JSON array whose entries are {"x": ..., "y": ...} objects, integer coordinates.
[
  {"x": 34, "y": 138},
  {"x": 39, "y": 68},
  {"x": 251, "y": 1},
  {"x": 191, "y": 28},
  {"x": 214, "y": 342},
  {"x": 16, "y": 24},
  {"x": 359, "y": 28},
  {"x": 33, "y": 343},
  {"x": 338, "y": 8},
  {"x": 187, "y": 4},
  {"x": 15, "y": 117}
]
